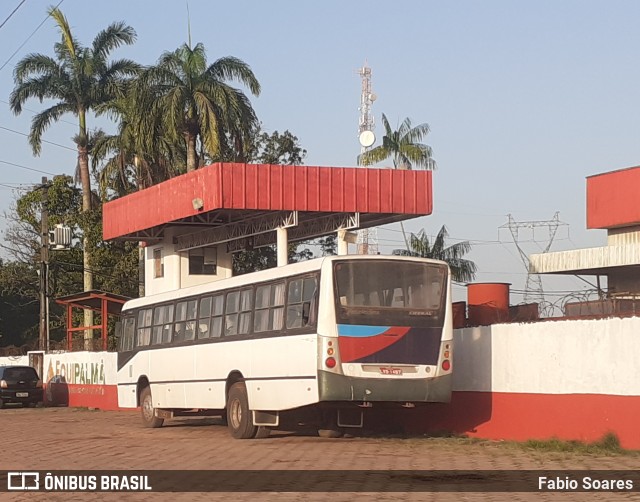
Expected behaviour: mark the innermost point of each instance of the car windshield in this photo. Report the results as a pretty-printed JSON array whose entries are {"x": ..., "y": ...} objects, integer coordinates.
[{"x": 20, "y": 374}]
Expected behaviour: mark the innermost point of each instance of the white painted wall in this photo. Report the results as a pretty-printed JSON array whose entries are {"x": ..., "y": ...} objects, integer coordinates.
[
  {"x": 14, "y": 361},
  {"x": 86, "y": 368},
  {"x": 555, "y": 357},
  {"x": 176, "y": 266}
]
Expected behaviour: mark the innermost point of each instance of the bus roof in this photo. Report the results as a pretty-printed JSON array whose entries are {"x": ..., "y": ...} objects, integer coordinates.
[{"x": 262, "y": 275}]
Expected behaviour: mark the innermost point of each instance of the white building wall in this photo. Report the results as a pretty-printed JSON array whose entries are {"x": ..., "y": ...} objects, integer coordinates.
[
  {"x": 14, "y": 361},
  {"x": 86, "y": 368},
  {"x": 555, "y": 357},
  {"x": 176, "y": 266}
]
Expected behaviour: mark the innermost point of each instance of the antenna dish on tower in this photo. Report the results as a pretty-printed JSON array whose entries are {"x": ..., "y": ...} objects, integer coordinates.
[{"x": 367, "y": 138}]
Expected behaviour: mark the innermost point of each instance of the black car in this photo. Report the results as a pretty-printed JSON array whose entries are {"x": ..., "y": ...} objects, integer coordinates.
[{"x": 20, "y": 384}]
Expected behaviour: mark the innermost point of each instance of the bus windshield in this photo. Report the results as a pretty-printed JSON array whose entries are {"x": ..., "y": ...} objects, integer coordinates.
[{"x": 389, "y": 292}]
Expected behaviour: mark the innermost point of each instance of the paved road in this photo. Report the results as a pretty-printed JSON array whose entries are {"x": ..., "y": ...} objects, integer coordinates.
[{"x": 76, "y": 439}]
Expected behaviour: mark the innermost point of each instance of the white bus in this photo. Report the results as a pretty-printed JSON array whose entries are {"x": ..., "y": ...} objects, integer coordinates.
[{"x": 317, "y": 342}]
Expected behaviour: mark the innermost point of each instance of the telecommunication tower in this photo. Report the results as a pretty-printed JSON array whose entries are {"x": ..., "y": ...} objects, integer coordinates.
[{"x": 368, "y": 237}]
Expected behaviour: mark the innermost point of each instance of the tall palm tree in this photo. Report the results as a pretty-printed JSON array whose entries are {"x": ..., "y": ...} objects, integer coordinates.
[
  {"x": 462, "y": 270},
  {"x": 195, "y": 102},
  {"x": 125, "y": 162},
  {"x": 403, "y": 146},
  {"x": 79, "y": 79}
]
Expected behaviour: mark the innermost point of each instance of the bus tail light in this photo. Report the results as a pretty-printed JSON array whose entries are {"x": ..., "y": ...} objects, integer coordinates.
[
  {"x": 446, "y": 365},
  {"x": 330, "y": 362}
]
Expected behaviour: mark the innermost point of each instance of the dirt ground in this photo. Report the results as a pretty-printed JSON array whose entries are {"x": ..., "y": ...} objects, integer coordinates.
[{"x": 79, "y": 439}]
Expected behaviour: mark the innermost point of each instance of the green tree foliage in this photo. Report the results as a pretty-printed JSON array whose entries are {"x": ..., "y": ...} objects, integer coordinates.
[
  {"x": 18, "y": 308},
  {"x": 77, "y": 79},
  {"x": 462, "y": 270},
  {"x": 274, "y": 148},
  {"x": 193, "y": 102},
  {"x": 403, "y": 146},
  {"x": 126, "y": 161},
  {"x": 114, "y": 264}
]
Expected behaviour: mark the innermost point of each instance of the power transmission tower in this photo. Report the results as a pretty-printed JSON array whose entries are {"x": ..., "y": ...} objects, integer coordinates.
[
  {"x": 367, "y": 242},
  {"x": 534, "y": 293}
]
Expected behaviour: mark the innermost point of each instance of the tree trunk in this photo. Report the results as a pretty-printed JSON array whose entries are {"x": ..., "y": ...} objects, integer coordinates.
[{"x": 192, "y": 155}]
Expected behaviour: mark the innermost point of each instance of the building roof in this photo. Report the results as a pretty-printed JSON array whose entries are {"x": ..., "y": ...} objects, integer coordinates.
[
  {"x": 93, "y": 300},
  {"x": 227, "y": 195},
  {"x": 612, "y": 199},
  {"x": 589, "y": 261}
]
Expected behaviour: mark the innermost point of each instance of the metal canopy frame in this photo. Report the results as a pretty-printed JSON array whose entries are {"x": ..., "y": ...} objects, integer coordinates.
[{"x": 98, "y": 301}]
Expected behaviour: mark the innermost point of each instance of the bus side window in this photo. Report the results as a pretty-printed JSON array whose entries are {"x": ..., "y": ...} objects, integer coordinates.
[
  {"x": 217, "y": 313},
  {"x": 269, "y": 307},
  {"x": 128, "y": 333},
  {"x": 144, "y": 327},
  {"x": 300, "y": 300},
  {"x": 231, "y": 313},
  {"x": 204, "y": 315}
]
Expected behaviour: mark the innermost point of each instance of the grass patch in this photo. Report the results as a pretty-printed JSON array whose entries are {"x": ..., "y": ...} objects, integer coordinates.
[{"x": 609, "y": 444}]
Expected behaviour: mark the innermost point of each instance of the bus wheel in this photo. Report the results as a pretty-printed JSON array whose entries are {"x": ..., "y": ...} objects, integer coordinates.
[
  {"x": 148, "y": 411},
  {"x": 238, "y": 415}
]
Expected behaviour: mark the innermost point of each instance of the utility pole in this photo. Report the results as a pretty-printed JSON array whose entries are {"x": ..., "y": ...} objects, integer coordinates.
[{"x": 44, "y": 268}]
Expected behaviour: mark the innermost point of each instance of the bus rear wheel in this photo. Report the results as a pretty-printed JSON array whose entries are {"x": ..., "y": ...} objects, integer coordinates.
[
  {"x": 238, "y": 414},
  {"x": 149, "y": 418}
]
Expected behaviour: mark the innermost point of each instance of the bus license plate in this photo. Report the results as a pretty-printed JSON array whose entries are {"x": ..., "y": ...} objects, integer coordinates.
[
  {"x": 22, "y": 394},
  {"x": 391, "y": 371}
]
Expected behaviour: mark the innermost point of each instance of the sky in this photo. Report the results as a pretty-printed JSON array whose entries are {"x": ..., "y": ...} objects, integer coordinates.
[{"x": 524, "y": 99}]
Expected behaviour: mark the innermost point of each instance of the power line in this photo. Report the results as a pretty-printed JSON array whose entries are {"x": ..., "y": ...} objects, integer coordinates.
[
  {"x": 34, "y": 112},
  {"x": 28, "y": 168},
  {"x": 12, "y": 13},
  {"x": 43, "y": 140},
  {"x": 13, "y": 187},
  {"x": 28, "y": 38}
]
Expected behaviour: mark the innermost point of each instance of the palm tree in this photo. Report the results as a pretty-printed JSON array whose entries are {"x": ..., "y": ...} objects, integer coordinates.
[
  {"x": 125, "y": 162},
  {"x": 419, "y": 245},
  {"x": 195, "y": 103},
  {"x": 403, "y": 146},
  {"x": 79, "y": 79}
]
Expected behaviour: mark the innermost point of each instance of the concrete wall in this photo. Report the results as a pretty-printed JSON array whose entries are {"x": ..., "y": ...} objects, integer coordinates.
[
  {"x": 83, "y": 379},
  {"x": 565, "y": 379},
  {"x": 561, "y": 357}
]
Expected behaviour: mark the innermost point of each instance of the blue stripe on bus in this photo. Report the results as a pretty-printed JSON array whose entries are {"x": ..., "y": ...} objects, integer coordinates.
[{"x": 361, "y": 331}]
